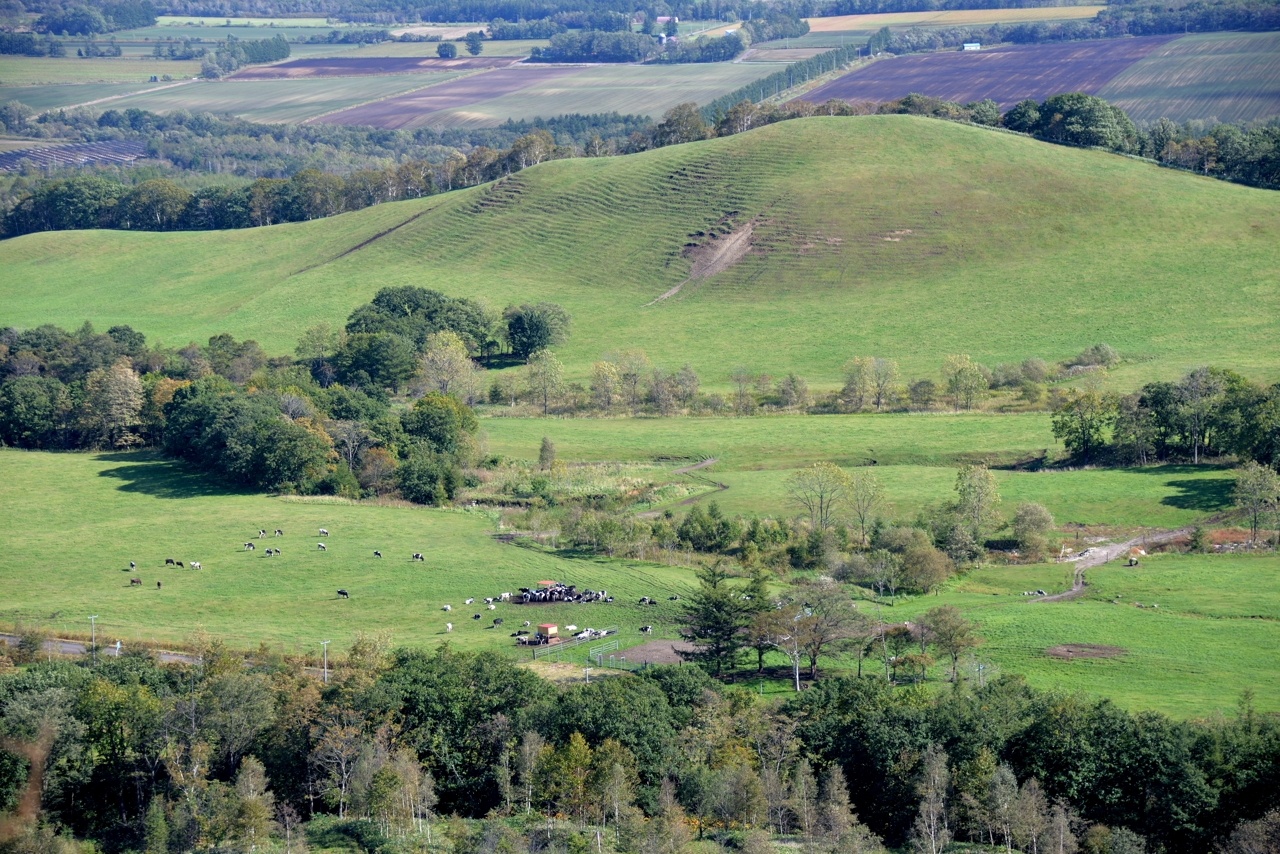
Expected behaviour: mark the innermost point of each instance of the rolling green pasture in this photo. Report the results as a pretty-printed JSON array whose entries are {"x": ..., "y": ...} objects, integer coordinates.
[
  {"x": 893, "y": 236},
  {"x": 74, "y": 521},
  {"x": 272, "y": 101},
  {"x": 1214, "y": 634},
  {"x": 916, "y": 458},
  {"x": 628, "y": 89},
  {"x": 1229, "y": 76},
  {"x": 45, "y": 70}
]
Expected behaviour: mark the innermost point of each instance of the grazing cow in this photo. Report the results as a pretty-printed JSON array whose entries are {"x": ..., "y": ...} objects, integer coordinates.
[
  {"x": 262, "y": 532},
  {"x": 475, "y": 616},
  {"x": 505, "y": 596},
  {"x": 157, "y": 585},
  {"x": 135, "y": 582},
  {"x": 195, "y": 565},
  {"x": 673, "y": 598},
  {"x": 344, "y": 594},
  {"x": 492, "y": 606},
  {"x": 447, "y": 608},
  {"x": 132, "y": 565},
  {"x": 526, "y": 624},
  {"x": 278, "y": 533},
  {"x": 418, "y": 556},
  {"x": 178, "y": 564},
  {"x": 645, "y": 600},
  {"x": 321, "y": 547},
  {"x": 646, "y": 630},
  {"x": 469, "y": 601},
  {"x": 168, "y": 561},
  {"x": 270, "y": 552},
  {"x": 323, "y": 532},
  {"x": 248, "y": 547},
  {"x": 488, "y": 600},
  {"x": 377, "y": 553},
  {"x": 448, "y": 627},
  {"x": 497, "y": 621}
]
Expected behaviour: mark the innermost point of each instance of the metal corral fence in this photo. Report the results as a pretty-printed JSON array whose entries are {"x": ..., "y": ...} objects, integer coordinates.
[{"x": 553, "y": 651}]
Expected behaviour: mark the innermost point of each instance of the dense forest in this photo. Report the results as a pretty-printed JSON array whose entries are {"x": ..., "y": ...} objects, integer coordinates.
[{"x": 133, "y": 755}]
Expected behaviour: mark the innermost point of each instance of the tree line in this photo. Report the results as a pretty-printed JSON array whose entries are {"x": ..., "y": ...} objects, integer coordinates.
[
  {"x": 404, "y": 748},
  {"x": 83, "y": 19}
]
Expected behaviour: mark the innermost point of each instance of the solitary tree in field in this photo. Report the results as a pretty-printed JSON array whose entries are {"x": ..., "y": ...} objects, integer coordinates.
[
  {"x": 977, "y": 500},
  {"x": 605, "y": 384},
  {"x": 714, "y": 617},
  {"x": 1257, "y": 493},
  {"x": 857, "y": 382},
  {"x": 475, "y": 42},
  {"x": 821, "y": 490},
  {"x": 865, "y": 498},
  {"x": 965, "y": 382},
  {"x": 950, "y": 632},
  {"x": 544, "y": 377},
  {"x": 546, "y": 454},
  {"x": 884, "y": 374}
]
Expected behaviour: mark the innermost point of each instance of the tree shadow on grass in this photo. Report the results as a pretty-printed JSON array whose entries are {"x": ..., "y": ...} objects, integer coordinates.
[
  {"x": 1202, "y": 495},
  {"x": 149, "y": 473}
]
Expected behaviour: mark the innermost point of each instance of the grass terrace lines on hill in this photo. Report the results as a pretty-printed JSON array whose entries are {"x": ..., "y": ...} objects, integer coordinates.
[{"x": 1015, "y": 249}]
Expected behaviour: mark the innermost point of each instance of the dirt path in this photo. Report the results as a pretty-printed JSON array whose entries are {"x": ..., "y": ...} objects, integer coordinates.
[
  {"x": 714, "y": 257},
  {"x": 720, "y": 487},
  {"x": 707, "y": 462},
  {"x": 125, "y": 95},
  {"x": 1099, "y": 555}
]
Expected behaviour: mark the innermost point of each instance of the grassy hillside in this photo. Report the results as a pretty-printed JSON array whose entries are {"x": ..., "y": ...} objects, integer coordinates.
[{"x": 895, "y": 236}]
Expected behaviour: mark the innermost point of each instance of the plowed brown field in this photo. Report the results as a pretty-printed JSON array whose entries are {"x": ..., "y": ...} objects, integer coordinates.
[
  {"x": 370, "y": 66},
  {"x": 413, "y": 109},
  {"x": 1006, "y": 75}
]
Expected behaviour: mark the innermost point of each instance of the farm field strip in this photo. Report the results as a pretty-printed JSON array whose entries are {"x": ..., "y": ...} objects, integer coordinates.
[
  {"x": 281, "y": 100},
  {"x": 1228, "y": 76},
  {"x": 1006, "y": 75},
  {"x": 419, "y": 109},
  {"x": 365, "y": 66},
  {"x": 634, "y": 89},
  {"x": 52, "y": 97},
  {"x": 26, "y": 71},
  {"x": 960, "y": 18}
]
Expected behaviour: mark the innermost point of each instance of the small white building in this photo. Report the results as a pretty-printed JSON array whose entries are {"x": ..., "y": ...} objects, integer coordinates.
[{"x": 972, "y": 46}]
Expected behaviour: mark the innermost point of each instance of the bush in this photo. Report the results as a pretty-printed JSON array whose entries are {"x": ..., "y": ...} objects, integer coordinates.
[
  {"x": 428, "y": 478},
  {"x": 446, "y": 50}
]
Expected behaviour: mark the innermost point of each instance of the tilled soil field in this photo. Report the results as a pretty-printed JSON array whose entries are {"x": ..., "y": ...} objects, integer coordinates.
[
  {"x": 369, "y": 66},
  {"x": 414, "y": 109},
  {"x": 1006, "y": 75}
]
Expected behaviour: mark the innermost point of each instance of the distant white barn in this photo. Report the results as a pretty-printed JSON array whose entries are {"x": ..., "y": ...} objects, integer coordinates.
[{"x": 972, "y": 46}]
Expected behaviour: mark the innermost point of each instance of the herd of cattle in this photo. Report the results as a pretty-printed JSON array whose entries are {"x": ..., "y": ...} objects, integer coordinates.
[{"x": 554, "y": 593}]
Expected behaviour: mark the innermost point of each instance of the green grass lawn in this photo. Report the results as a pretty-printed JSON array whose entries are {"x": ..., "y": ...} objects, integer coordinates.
[
  {"x": 1017, "y": 248},
  {"x": 67, "y": 94},
  {"x": 1233, "y": 77},
  {"x": 26, "y": 71},
  {"x": 74, "y": 521}
]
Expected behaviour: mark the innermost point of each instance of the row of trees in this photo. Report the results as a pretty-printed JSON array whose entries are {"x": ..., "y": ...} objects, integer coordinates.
[{"x": 141, "y": 756}]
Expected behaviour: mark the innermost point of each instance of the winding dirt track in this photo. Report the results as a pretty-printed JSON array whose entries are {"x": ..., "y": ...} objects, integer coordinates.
[{"x": 1106, "y": 554}]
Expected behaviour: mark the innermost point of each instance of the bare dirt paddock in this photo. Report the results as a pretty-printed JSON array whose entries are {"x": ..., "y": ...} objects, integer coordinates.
[
  {"x": 369, "y": 66},
  {"x": 414, "y": 109},
  {"x": 657, "y": 652},
  {"x": 1006, "y": 75}
]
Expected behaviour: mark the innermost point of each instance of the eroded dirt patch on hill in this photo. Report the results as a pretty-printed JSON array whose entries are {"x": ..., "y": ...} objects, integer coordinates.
[
  {"x": 715, "y": 255},
  {"x": 1084, "y": 650}
]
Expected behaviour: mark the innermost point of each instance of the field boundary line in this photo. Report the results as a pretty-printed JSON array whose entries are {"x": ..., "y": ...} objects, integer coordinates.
[{"x": 361, "y": 244}]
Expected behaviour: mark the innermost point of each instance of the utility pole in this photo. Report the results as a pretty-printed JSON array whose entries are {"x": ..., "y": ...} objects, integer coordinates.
[
  {"x": 325, "y": 644},
  {"x": 93, "y": 639}
]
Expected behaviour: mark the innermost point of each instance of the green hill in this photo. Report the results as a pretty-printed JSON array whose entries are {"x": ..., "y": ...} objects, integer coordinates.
[{"x": 890, "y": 235}]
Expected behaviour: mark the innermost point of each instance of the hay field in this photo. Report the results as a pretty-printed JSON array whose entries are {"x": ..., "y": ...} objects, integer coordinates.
[
  {"x": 1229, "y": 76},
  {"x": 868, "y": 24},
  {"x": 68, "y": 94},
  {"x": 1017, "y": 249},
  {"x": 272, "y": 101}
]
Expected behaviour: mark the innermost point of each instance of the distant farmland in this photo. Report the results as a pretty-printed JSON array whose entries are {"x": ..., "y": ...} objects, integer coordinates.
[
  {"x": 1006, "y": 75},
  {"x": 525, "y": 92},
  {"x": 1228, "y": 76},
  {"x": 957, "y": 18},
  {"x": 368, "y": 66}
]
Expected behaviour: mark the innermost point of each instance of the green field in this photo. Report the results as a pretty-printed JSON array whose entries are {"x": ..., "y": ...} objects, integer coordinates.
[
  {"x": 1016, "y": 248},
  {"x": 287, "y": 101},
  {"x": 39, "y": 71},
  {"x": 1214, "y": 634},
  {"x": 1228, "y": 76},
  {"x": 916, "y": 458},
  {"x": 74, "y": 521},
  {"x": 865, "y": 25},
  {"x": 647, "y": 90},
  {"x": 52, "y": 97}
]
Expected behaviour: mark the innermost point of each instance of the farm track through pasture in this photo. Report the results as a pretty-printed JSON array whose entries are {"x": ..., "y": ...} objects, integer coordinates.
[{"x": 1105, "y": 554}]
